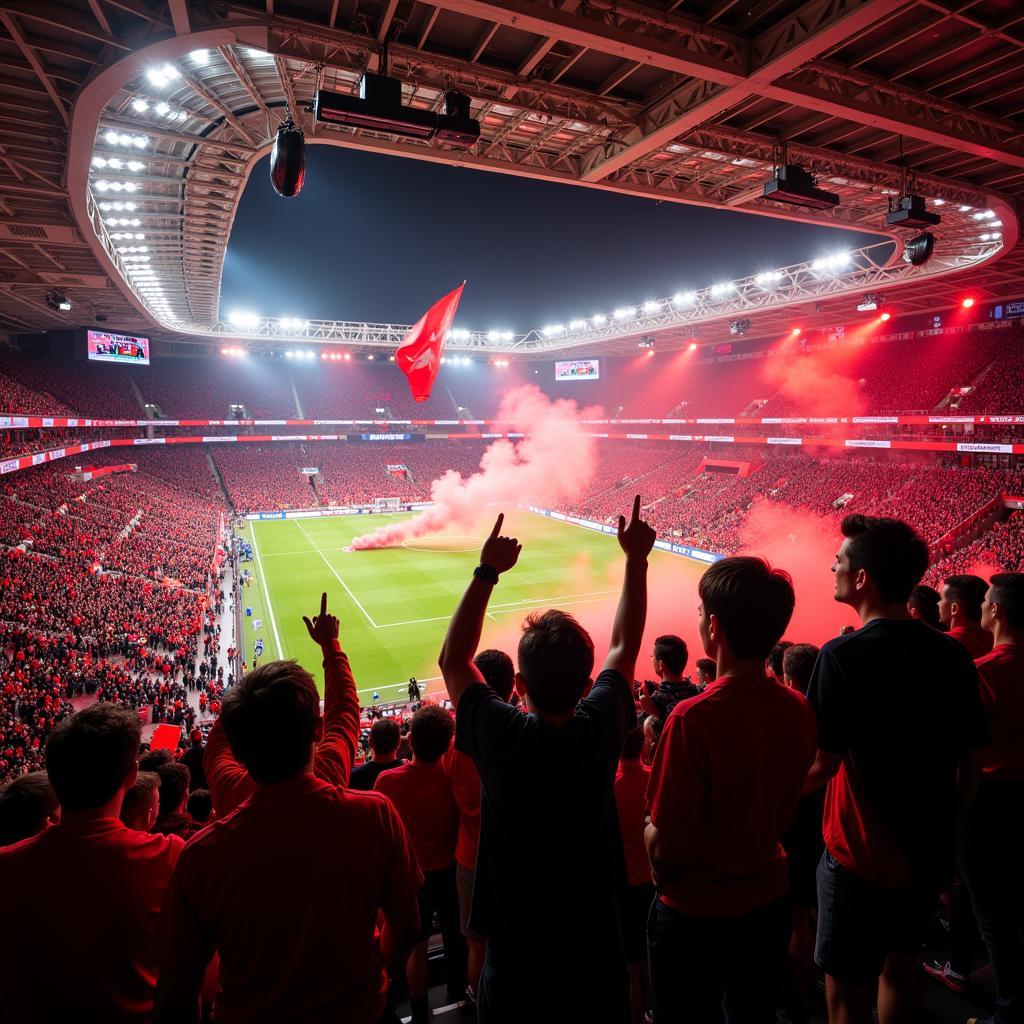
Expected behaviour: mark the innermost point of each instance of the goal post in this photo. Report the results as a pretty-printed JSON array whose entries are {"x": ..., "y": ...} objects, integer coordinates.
[{"x": 387, "y": 504}]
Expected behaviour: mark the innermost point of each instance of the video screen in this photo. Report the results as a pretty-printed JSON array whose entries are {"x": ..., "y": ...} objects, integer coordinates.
[
  {"x": 105, "y": 347},
  {"x": 578, "y": 369}
]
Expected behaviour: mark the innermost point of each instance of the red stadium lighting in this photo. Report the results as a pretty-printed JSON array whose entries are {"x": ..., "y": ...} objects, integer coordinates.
[
  {"x": 348, "y": 357},
  {"x": 885, "y": 317},
  {"x": 967, "y": 303},
  {"x": 693, "y": 346},
  {"x": 650, "y": 352},
  {"x": 796, "y": 331}
]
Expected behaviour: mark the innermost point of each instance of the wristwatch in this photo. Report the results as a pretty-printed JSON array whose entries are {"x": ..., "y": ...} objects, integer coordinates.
[{"x": 486, "y": 573}]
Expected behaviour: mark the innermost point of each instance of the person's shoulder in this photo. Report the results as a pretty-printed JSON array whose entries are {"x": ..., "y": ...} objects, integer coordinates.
[
  {"x": 390, "y": 778},
  {"x": 694, "y": 706}
]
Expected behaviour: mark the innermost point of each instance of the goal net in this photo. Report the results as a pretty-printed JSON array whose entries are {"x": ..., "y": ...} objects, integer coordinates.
[{"x": 387, "y": 504}]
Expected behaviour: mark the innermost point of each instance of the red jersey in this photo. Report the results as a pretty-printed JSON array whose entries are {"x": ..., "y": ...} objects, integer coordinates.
[
  {"x": 1002, "y": 694},
  {"x": 978, "y": 641},
  {"x": 82, "y": 951},
  {"x": 294, "y": 931},
  {"x": 422, "y": 795},
  {"x": 724, "y": 786},
  {"x": 230, "y": 783},
  {"x": 465, "y": 782},
  {"x": 630, "y": 793}
]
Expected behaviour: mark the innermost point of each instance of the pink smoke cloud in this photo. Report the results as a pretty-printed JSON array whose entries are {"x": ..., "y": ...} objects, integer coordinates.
[
  {"x": 553, "y": 463},
  {"x": 815, "y": 383}
]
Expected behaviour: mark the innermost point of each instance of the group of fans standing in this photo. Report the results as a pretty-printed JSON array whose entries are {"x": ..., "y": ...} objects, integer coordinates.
[{"x": 793, "y": 803}]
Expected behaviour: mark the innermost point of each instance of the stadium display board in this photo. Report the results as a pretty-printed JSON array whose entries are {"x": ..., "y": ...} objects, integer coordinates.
[
  {"x": 578, "y": 369},
  {"x": 104, "y": 347}
]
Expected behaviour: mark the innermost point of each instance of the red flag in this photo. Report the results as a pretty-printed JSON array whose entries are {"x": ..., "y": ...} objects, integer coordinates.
[{"x": 419, "y": 355}]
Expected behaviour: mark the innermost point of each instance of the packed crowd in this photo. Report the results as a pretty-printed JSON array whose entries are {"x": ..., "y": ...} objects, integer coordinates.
[{"x": 591, "y": 847}]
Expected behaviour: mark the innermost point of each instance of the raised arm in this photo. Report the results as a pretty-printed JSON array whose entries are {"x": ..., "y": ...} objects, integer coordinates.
[
  {"x": 336, "y": 750},
  {"x": 499, "y": 554},
  {"x": 229, "y": 782},
  {"x": 636, "y": 539}
]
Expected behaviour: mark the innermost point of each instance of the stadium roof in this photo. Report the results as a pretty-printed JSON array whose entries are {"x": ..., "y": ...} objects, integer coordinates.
[{"x": 170, "y": 105}]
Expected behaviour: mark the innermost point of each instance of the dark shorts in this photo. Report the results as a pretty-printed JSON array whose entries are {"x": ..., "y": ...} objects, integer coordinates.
[
  {"x": 860, "y": 924},
  {"x": 437, "y": 896},
  {"x": 636, "y": 908}
]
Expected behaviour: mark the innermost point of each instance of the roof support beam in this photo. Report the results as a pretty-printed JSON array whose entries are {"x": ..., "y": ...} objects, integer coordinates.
[
  {"x": 606, "y": 38},
  {"x": 814, "y": 29},
  {"x": 385, "y": 20},
  {"x": 35, "y": 63},
  {"x": 179, "y": 17}
]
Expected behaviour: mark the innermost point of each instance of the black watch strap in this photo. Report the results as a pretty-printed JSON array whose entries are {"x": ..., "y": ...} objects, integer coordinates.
[{"x": 486, "y": 573}]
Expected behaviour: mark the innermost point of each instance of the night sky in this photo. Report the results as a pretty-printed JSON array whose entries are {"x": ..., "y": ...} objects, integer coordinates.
[{"x": 379, "y": 238}]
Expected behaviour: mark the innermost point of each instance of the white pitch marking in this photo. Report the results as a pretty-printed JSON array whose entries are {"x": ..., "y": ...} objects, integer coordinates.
[
  {"x": 266, "y": 593},
  {"x": 358, "y": 603},
  {"x": 525, "y": 602}
]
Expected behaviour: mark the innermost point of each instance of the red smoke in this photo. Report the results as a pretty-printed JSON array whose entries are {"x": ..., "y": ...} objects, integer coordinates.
[
  {"x": 815, "y": 383},
  {"x": 554, "y": 463}
]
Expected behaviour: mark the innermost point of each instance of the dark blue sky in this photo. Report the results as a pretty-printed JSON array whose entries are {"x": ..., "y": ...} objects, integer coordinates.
[{"x": 379, "y": 238}]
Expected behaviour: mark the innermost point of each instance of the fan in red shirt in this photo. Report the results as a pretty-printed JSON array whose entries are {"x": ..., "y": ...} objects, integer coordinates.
[
  {"x": 960, "y": 611},
  {"x": 631, "y": 781},
  {"x": 724, "y": 787},
  {"x": 991, "y": 837},
  {"x": 500, "y": 675},
  {"x": 287, "y": 889},
  {"x": 422, "y": 794},
  {"x": 84, "y": 952}
]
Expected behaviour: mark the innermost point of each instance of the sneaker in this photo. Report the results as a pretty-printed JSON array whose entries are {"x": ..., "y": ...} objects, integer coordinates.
[
  {"x": 981, "y": 1020},
  {"x": 943, "y": 973}
]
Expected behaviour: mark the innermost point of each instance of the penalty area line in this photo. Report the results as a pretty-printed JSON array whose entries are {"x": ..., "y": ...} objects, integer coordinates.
[
  {"x": 266, "y": 594},
  {"x": 355, "y": 599}
]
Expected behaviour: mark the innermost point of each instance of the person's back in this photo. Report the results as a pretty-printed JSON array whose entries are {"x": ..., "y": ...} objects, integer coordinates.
[
  {"x": 384, "y": 739},
  {"x": 550, "y": 875},
  {"x": 901, "y": 696},
  {"x": 85, "y": 951},
  {"x": 291, "y": 880},
  {"x": 288, "y": 888}
]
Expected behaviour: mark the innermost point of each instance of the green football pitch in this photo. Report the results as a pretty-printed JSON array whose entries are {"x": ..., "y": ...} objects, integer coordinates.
[{"x": 394, "y": 603}]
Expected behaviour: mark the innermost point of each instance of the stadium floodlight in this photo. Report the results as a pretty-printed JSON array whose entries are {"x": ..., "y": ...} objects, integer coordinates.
[
  {"x": 577, "y": 325},
  {"x": 599, "y": 320},
  {"x": 507, "y": 335},
  {"x": 833, "y": 263},
  {"x": 624, "y": 313},
  {"x": 885, "y": 316},
  {"x": 289, "y": 354},
  {"x": 650, "y": 306},
  {"x": 693, "y": 346},
  {"x": 768, "y": 277},
  {"x": 494, "y": 335},
  {"x": 967, "y": 302},
  {"x": 162, "y": 75},
  {"x": 57, "y": 300},
  {"x": 139, "y": 105},
  {"x": 200, "y": 58},
  {"x": 722, "y": 289},
  {"x": 919, "y": 249},
  {"x": 985, "y": 215},
  {"x": 684, "y": 298},
  {"x": 552, "y": 329},
  {"x": 795, "y": 186},
  {"x": 162, "y": 108},
  {"x": 243, "y": 318}
]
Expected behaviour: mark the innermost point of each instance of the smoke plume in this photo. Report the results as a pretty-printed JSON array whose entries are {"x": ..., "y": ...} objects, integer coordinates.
[
  {"x": 815, "y": 383},
  {"x": 553, "y": 463}
]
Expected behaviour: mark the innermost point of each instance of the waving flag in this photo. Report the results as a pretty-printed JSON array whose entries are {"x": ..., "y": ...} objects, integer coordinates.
[{"x": 419, "y": 355}]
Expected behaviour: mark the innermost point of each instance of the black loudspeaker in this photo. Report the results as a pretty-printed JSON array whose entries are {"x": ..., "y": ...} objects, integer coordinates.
[
  {"x": 288, "y": 160},
  {"x": 919, "y": 249}
]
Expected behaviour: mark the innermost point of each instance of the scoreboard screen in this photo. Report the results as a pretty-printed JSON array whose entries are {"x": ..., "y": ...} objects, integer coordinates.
[
  {"x": 578, "y": 369},
  {"x": 105, "y": 347}
]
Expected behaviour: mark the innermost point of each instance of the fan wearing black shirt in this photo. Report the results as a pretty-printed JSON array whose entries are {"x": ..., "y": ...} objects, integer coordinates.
[
  {"x": 670, "y": 656},
  {"x": 384, "y": 739},
  {"x": 900, "y": 730},
  {"x": 550, "y": 872}
]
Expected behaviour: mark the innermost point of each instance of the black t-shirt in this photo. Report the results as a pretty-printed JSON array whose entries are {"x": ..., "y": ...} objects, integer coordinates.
[
  {"x": 668, "y": 694},
  {"x": 900, "y": 701},
  {"x": 364, "y": 776},
  {"x": 550, "y": 868}
]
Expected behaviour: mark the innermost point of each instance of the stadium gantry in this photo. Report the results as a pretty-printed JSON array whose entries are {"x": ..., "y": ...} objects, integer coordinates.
[{"x": 122, "y": 120}]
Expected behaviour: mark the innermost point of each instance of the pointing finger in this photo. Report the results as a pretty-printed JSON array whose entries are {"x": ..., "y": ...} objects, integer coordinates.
[
  {"x": 497, "y": 524},
  {"x": 323, "y": 603},
  {"x": 636, "y": 508}
]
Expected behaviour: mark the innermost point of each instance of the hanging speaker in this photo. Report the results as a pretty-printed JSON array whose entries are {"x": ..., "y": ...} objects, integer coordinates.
[
  {"x": 288, "y": 160},
  {"x": 919, "y": 249}
]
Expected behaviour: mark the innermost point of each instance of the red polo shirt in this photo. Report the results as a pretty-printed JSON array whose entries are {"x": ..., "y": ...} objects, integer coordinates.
[
  {"x": 229, "y": 782},
  {"x": 724, "y": 787},
  {"x": 631, "y": 782},
  {"x": 81, "y": 906},
  {"x": 465, "y": 782},
  {"x": 422, "y": 794},
  {"x": 978, "y": 641},
  {"x": 287, "y": 890},
  {"x": 1002, "y": 694}
]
